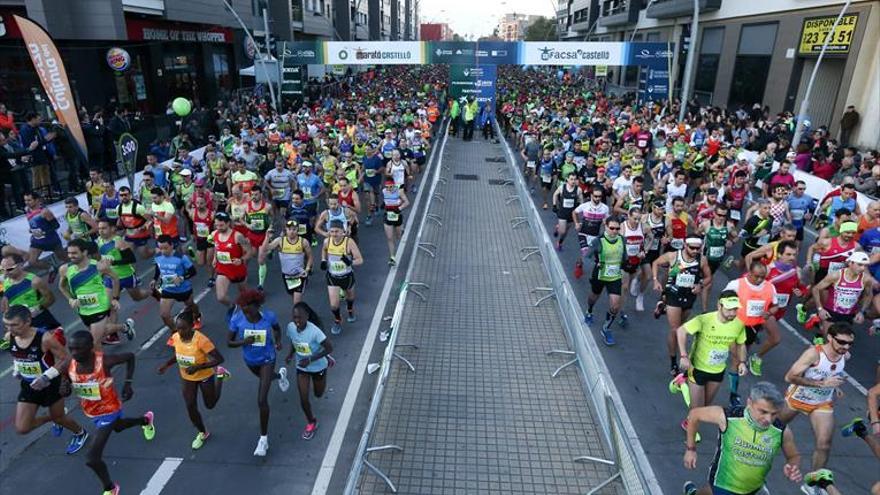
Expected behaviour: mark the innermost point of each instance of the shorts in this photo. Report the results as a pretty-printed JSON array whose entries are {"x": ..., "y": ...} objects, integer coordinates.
[
  {"x": 235, "y": 273},
  {"x": 106, "y": 420},
  {"x": 701, "y": 377},
  {"x": 45, "y": 319},
  {"x": 137, "y": 241},
  {"x": 746, "y": 249},
  {"x": 129, "y": 282},
  {"x": 803, "y": 407},
  {"x": 89, "y": 320},
  {"x": 177, "y": 296},
  {"x": 752, "y": 333},
  {"x": 614, "y": 287},
  {"x": 651, "y": 257},
  {"x": 47, "y": 246},
  {"x": 799, "y": 236},
  {"x": 297, "y": 288},
  {"x": 695, "y": 174},
  {"x": 281, "y": 203},
  {"x": 564, "y": 214},
  {"x": 679, "y": 298},
  {"x": 313, "y": 374},
  {"x": 819, "y": 275},
  {"x": 203, "y": 244},
  {"x": 42, "y": 398},
  {"x": 630, "y": 268},
  {"x": 346, "y": 282},
  {"x": 721, "y": 491},
  {"x": 395, "y": 223},
  {"x": 714, "y": 264},
  {"x": 255, "y": 238},
  {"x": 547, "y": 185},
  {"x": 371, "y": 184},
  {"x": 839, "y": 317}
]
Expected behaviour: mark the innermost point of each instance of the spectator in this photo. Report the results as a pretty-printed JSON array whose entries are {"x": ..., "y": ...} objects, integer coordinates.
[
  {"x": 847, "y": 168},
  {"x": 119, "y": 124},
  {"x": 823, "y": 167},
  {"x": 11, "y": 156},
  {"x": 181, "y": 140},
  {"x": 95, "y": 133},
  {"x": 7, "y": 120},
  {"x": 866, "y": 180},
  {"x": 43, "y": 155},
  {"x": 803, "y": 158},
  {"x": 848, "y": 122},
  {"x": 161, "y": 149}
]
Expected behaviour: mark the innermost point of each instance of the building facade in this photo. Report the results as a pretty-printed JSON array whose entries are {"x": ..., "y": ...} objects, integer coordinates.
[
  {"x": 576, "y": 19},
  {"x": 763, "y": 53},
  {"x": 435, "y": 32},
  {"x": 512, "y": 27}
]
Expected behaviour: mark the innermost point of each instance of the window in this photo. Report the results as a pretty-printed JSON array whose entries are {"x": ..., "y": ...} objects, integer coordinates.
[
  {"x": 754, "y": 54},
  {"x": 710, "y": 54}
]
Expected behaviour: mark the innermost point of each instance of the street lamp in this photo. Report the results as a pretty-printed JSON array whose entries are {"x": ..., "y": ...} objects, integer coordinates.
[
  {"x": 247, "y": 33},
  {"x": 689, "y": 66}
]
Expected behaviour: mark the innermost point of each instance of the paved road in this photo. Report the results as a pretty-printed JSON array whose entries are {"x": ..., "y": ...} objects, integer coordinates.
[
  {"x": 292, "y": 463},
  {"x": 481, "y": 413},
  {"x": 640, "y": 367}
]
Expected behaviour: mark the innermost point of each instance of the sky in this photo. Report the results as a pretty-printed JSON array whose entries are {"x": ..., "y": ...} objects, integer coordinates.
[{"x": 479, "y": 17}]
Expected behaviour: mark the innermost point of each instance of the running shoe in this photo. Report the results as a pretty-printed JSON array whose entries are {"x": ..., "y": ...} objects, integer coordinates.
[
  {"x": 331, "y": 362},
  {"x": 640, "y": 302},
  {"x": 283, "y": 382},
  {"x": 608, "y": 337},
  {"x": 623, "y": 321},
  {"x": 635, "y": 287},
  {"x": 855, "y": 427},
  {"x": 112, "y": 491},
  {"x": 149, "y": 428},
  {"x": 112, "y": 339},
  {"x": 801, "y": 313},
  {"x": 810, "y": 490},
  {"x": 578, "y": 271},
  {"x": 812, "y": 322},
  {"x": 369, "y": 220},
  {"x": 588, "y": 318},
  {"x": 128, "y": 329},
  {"x": 5, "y": 344},
  {"x": 200, "y": 440},
  {"x": 545, "y": 206},
  {"x": 674, "y": 370},
  {"x": 821, "y": 478},
  {"x": 260, "y": 288},
  {"x": 211, "y": 282},
  {"x": 222, "y": 373},
  {"x": 309, "y": 430},
  {"x": 191, "y": 251},
  {"x": 735, "y": 400},
  {"x": 690, "y": 488},
  {"x": 262, "y": 447},
  {"x": 872, "y": 330},
  {"x": 57, "y": 430},
  {"x": 351, "y": 318},
  {"x": 755, "y": 364},
  {"x": 77, "y": 442},
  {"x": 336, "y": 329},
  {"x": 728, "y": 262},
  {"x": 684, "y": 424},
  {"x": 383, "y": 335},
  {"x": 392, "y": 261},
  {"x": 314, "y": 242},
  {"x": 532, "y": 190},
  {"x": 659, "y": 310},
  {"x": 817, "y": 340},
  {"x": 341, "y": 295}
]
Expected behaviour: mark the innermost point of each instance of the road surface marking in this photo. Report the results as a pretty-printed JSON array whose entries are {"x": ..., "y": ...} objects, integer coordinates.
[
  {"x": 331, "y": 455},
  {"x": 162, "y": 476}
]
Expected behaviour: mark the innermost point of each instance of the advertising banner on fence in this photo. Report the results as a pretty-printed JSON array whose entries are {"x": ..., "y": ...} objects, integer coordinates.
[
  {"x": 473, "y": 80},
  {"x": 464, "y": 52},
  {"x": 50, "y": 68},
  {"x": 374, "y": 52},
  {"x": 571, "y": 53}
]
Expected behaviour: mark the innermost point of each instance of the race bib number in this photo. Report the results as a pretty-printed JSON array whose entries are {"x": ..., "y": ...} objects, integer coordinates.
[
  {"x": 224, "y": 257},
  {"x": 716, "y": 251},
  {"x": 655, "y": 244},
  {"x": 38, "y": 233},
  {"x": 258, "y": 224},
  {"x": 633, "y": 249},
  {"x": 735, "y": 215},
  {"x": 302, "y": 348},
  {"x": 676, "y": 244},
  {"x": 546, "y": 178},
  {"x": 846, "y": 301},
  {"x": 717, "y": 357},
  {"x": 202, "y": 230},
  {"x": 568, "y": 202},
  {"x": 754, "y": 308},
  {"x": 797, "y": 214},
  {"x": 530, "y": 164},
  {"x": 87, "y": 301},
  {"x": 307, "y": 194},
  {"x": 764, "y": 239},
  {"x": 685, "y": 280},
  {"x": 611, "y": 271},
  {"x": 87, "y": 390},
  {"x": 835, "y": 266},
  {"x": 259, "y": 336},
  {"x": 813, "y": 395},
  {"x": 337, "y": 267},
  {"x": 370, "y": 172},
  {"x": 393, "y": 216},
  {"x": 185, "y": 361},
  {"x": 168, "y": 280},
  {"x": 27, "y": 369},
  {"x": 781, "y": 300},
  {"x": 292, "y": 282},
  {"x": 278, "y": 193},
  {"x": 111, "y": 213}
]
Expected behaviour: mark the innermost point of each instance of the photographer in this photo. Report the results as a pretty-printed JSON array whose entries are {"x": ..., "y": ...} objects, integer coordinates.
[{"x": 11, "y": 157}]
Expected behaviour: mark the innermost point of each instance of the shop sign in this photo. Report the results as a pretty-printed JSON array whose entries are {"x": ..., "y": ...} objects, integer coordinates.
[
  {"x": 149, "y": 30},
  {"x": 118, "y": 59},
  {"x": 817, "y": 29}
]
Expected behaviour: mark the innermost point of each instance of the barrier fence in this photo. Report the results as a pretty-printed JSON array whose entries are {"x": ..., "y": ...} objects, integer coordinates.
[{"x": 629, "y": 461}]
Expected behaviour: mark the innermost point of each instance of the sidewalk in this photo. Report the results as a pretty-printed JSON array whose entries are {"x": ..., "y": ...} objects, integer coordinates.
[{"x": 481, "y": 413}]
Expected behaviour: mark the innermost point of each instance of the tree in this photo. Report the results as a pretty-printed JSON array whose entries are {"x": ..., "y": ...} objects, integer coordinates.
[
  {"x": 543, "y": 29},
  {"x": 457, "y": 37}
]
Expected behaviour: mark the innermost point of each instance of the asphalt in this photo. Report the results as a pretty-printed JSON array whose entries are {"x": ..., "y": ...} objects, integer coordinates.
[
  {"x": 36, "y": 462},
  {"x": 639, "y": 365}
]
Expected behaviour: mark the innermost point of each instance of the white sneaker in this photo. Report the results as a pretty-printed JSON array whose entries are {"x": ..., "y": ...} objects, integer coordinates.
[
  {"x": 635, "y": 286},
  {"x": 383, "y": 335},
  {"x": 262, "y": 447},
  {"x": 128, "y": 329},
  {"x": 283, "y": 382},
  {"x": 640, "y": 302}
]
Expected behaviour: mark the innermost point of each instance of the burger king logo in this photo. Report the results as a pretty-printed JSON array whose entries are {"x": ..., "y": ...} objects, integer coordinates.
[{"x": 118, "y": 59}]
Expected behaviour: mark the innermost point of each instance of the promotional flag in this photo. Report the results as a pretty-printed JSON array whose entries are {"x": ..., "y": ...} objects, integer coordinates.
[{"x": 47, "y": 62}]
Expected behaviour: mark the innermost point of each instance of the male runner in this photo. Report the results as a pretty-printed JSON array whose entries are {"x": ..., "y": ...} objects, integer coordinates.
[
  {"x": 718, "y": 237},
  {"x": 120, "y": 254},
  {"x": 565, "y": 199},
  {"x": 27, "y": 289},
  {"x": 79, "y": 223},
  {"x": 609, "y": 252},
  {"x": 136, "y": 219},
  {"x": 588, "y": 218},
  {"x": 44, "y": 234}
]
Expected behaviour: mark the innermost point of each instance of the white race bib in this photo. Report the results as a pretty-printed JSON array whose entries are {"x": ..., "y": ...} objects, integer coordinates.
[
  {"x": 224, "y": 257},
  {"x": 781, "y": 300},
  {"x": 685, "y": 280},
  {"x": 392, "y": 216},
  {"x": 835, "y": 266},
  {"x": 202, "y": 230},
  {"x": 716, "y": 251},
  {"x": 633, "y": 249},
  {"x": 735, "y": 215},
  {"x": 611, "y": 271},
  {"x": 717, "y": 357},
  {"x": 27, "y": 369},
  {"x": 797, "y": 214},
  {"x": 292, "y": 282},
  {"x": 754, "y": 308},
  {"x": 676, "y": 244},
  {"x": 87, "y": 390},
  {"x": 530, "y": 164},
  {"x": 185, "y": 361},
  {"x": 302, "y": 348},
  {"x": 258, "y": 334},
  {"x": 568, "y": 202}
]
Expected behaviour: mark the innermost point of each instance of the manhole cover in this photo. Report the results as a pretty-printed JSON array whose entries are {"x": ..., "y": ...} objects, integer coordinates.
[
  {"x": 465, "y": 177},
  {"x": 495, "y": 159},
  {"x": 499, "y": 182}
]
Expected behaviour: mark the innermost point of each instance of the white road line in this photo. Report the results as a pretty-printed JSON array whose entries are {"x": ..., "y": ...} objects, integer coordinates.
[
  {"x": 162, "y": 476},
  {"x": 852, "y": 381},
  {"x": 331, "y": 455}
]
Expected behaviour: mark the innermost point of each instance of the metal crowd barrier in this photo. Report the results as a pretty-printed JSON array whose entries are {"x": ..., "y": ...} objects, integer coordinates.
[
  {"x": 629, "y": 461},
  {"x": 361, "y": 457}
]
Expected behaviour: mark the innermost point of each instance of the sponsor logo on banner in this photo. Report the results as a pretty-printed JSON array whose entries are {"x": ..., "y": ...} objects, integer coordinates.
[
  {"x": 569, "y": 53},
  {"x": 369, "y": 53},
  {"x": 118, "y": 59},
  {"x": 649, "y": 54}
]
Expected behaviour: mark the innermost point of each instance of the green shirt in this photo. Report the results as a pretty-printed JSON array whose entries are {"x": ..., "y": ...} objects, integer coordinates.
[
  {"x": 716, "y": 242},
  {"x": 87, "y": 287},
  {"x": 22, "y": 292},
  {"x": 712, "y": 339},
  {"x": 745, "y": 453},
  {"x": 78, "y": 228},
  {"x": 108, "y": 248},
  {"x": 609, "y": 257}
]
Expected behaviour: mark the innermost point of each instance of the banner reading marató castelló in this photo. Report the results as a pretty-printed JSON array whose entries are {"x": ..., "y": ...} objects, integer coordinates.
[
  {"x": 50, "y": 68},
  {"x": 374, "y": 53}
]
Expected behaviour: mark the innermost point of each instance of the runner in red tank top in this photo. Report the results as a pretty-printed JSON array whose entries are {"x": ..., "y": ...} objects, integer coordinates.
[
  {"x": 785, "y": 276},
  {"x": 231, "y": 253},
  {"x": 91, "y": 380}
]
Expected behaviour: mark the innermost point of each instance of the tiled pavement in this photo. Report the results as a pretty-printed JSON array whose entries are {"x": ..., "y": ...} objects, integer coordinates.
[{"x": 481, "y": 414}]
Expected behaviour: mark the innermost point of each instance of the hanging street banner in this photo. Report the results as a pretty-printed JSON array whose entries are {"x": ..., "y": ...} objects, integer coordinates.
[
  {"x": 561, "y": 53},
  {"x": 473, "y": 80},
  {"x": 817, "y": 29}
]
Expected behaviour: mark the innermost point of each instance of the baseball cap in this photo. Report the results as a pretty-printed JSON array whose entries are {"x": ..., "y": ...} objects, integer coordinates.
[
  {"x": 730, "y": 302},
  {"x": 848, "y": 227},
  {"x": 791, "y": 155},
  {"x": 307, "y": 164},
  {"x": 186, "y": 171},
  {"x": 859, "y": 257}
]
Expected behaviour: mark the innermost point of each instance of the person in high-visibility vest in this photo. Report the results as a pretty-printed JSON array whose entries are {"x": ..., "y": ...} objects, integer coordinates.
[
  {"x": 470, "y": 115},
  {"x": 454, "y": 113}
]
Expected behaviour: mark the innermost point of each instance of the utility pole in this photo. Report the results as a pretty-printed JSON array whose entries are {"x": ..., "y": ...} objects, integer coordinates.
[
  {"x": 805, "y": 103},
  {"x": 250, "y": 36},
  {"x": 689, "y": 66}
]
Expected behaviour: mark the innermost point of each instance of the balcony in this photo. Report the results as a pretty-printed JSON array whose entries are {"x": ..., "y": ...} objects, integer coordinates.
[
  {"x": 619, "y": 12},
  {"x": 668, "y": 9}
]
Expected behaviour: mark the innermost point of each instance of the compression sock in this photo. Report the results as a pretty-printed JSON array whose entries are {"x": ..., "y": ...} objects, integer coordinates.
[
  {"x": 350, "y": 306},
  {"x": 609, "y": 318},
  {"x": 337, "y": 316},
  {"x": 262, "y": 273},
  {"x": 734, "y": 381}
]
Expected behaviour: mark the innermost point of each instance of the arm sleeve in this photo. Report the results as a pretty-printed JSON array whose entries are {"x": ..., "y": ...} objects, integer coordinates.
[
  {"x": 127, "y": 258},
  {"x": 157, "y": 273}
]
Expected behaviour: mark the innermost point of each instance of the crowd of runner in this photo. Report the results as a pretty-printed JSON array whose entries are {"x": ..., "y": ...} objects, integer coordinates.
[
  {"x": 290, "y": 188},
  {"x": 657, "y": 203}
]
